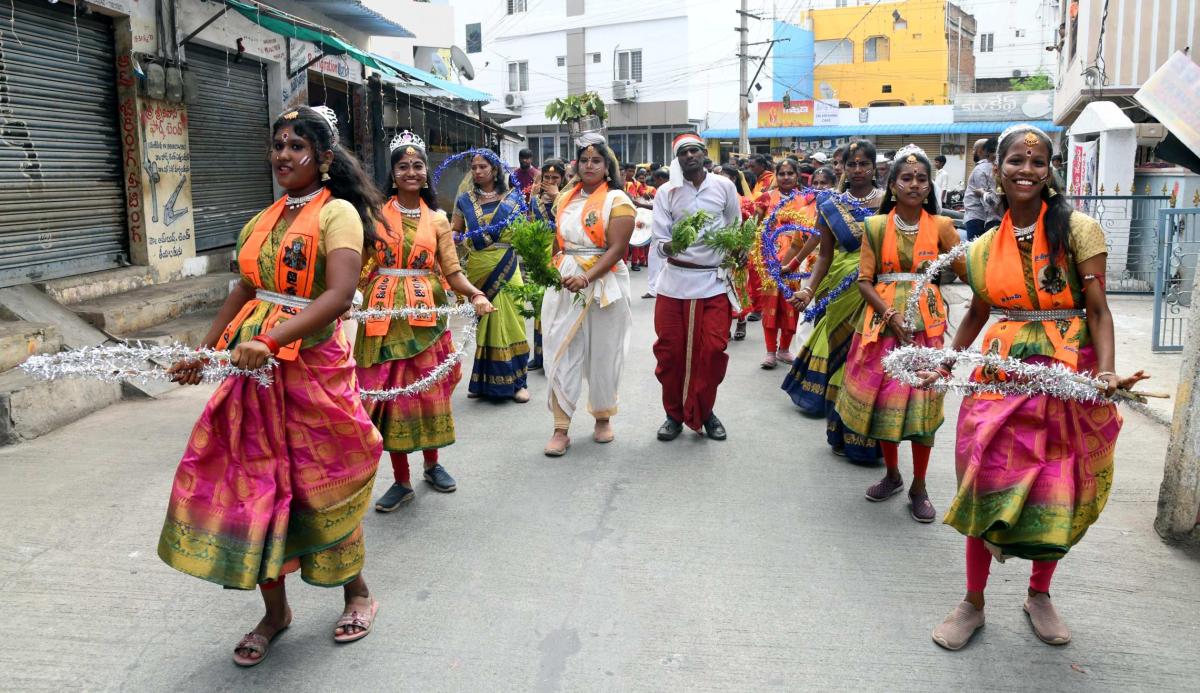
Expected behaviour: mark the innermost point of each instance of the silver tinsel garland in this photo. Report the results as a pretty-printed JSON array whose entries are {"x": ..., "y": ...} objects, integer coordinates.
[
  {"x": 117, "y": 362},
  {"x": 465, "y": 310},
  {"x": 1022, "y": 378},
  {"x": 912, "y": 307},
  {"x": 435, "y": 374}
]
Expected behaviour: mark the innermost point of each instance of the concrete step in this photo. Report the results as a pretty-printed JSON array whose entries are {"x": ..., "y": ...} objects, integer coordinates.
[
  {"x": 186, "y": 329},
  {"x": 19, "y": 340},
  {"x": 94, "y": 285},
  {"x": 31, "y": 407},
  {"x": 133, "y": 311}
]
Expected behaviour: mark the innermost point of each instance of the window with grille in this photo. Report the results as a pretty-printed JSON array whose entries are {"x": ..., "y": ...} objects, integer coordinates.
[
  {"x": 629, "y": 65},
  {"x": 595, "y": 57},
  {"x": 1020, "y": 33},
  {"x": 561, "y": 61},
  {"x": 877, "y": 48},
  {"x": 839, "y": 52},
  {"x": 518, "y": 76},
  {"x": 517, "y": 6},
  {"x": 987, "y": 43}
]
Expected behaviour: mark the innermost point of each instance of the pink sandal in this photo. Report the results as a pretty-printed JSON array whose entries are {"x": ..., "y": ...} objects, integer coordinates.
[
  {"x": 358, "y": 620},
  {"x": 255, "y": 642}
]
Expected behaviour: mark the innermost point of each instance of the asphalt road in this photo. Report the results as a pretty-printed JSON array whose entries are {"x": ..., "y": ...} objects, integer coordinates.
[{"x": 752, "y": 564}]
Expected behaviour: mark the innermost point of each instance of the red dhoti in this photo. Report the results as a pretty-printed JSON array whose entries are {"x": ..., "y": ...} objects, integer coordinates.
[{"x": 692, "y": 336}]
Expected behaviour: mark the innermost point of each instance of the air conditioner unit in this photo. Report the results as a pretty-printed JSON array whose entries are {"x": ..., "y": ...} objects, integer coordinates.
[
  {"x": 625, "y": 90},
  {"x": 1149, "y": 134},
  {"x": 514, "y": 102}
]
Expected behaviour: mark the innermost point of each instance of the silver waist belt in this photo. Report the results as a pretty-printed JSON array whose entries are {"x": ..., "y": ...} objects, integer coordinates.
[
  {"x": 282, "y": 299},
  {"x": 1040, "y": 315},
  {"x": 502, "y": 246},
  {"x": 899, "y": 277},
  {"x": 586, "y": 251},
  {"x": 394, "y": 272}
]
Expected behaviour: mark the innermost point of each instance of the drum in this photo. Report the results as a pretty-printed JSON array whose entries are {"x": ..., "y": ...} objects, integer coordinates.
[{"x": 641, "y": 228}]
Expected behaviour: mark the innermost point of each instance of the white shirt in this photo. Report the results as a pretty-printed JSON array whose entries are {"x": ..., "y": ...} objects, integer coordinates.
[{"x": 715, "y": 195}]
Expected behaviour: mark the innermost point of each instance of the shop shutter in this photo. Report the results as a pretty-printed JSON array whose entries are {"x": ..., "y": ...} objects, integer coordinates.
[
  {"x": 229, "y": 132},
  {"x": 62, "y": 201},
  {"x": 932, "y": 144}
]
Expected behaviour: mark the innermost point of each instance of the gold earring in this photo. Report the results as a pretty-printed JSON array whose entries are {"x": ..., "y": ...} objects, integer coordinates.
[
  {"x": 324, "y": 172},
  {"x": 999, "y": 189},
  {"x": 1052, "y": 192}
]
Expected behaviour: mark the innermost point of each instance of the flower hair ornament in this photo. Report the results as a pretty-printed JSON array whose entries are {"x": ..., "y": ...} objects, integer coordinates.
[{"x": 409, "y": 139}]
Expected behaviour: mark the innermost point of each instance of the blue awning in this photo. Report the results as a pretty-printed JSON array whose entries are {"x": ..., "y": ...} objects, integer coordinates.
[
  {"x": 458, "y": 91},
  {"x": 975, "y": 128}
]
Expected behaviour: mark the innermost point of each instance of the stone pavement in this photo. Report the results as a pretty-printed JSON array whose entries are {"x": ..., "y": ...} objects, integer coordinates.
[{"x": 753, "y": 564}]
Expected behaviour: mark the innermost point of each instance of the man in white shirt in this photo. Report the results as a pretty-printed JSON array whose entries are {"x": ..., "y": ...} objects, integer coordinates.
[{"x": 694, "y": 305}]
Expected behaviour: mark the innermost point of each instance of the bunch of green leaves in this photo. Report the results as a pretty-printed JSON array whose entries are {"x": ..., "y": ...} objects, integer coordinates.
[
  {"x": 577, "y": 106},
  {"x": 735, "y": 242},
  {"x": 685, "y": 231},
  {"x": 533, "y": 241}
]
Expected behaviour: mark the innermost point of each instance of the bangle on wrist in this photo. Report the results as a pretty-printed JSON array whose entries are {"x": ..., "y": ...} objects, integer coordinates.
[
  {"x": 269, "y": 341},
  {"x": 889, "y": 314},
  {"x": 476, "y": 295},
  {"x": 943, "y": 371},
  {"x": 1102, "y": 374}
]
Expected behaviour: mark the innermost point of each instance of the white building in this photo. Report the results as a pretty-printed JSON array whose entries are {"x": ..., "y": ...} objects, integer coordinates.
[
  {"x": 660, "y": 65},
  {"x": 1011, "y": 40}
]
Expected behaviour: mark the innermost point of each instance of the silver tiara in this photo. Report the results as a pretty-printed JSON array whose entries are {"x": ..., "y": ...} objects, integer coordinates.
[
  {"x": 331, "y": 118},
  {"x": 406, "y": 138},
  {"x": 909, "y": 149}
]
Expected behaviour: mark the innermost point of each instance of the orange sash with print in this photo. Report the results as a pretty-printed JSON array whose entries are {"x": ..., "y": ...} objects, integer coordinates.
[
  {"x": 418, "y": 291},
  {"x": 925, "y": 249},
  {"x": 295, "y": 266},
  {"x": 1006, "y": 288},
  {"x": 593, "y": 218}
]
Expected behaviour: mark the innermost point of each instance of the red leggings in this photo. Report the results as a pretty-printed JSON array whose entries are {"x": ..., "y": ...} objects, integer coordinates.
[
  {"x": 777, "y": 339},
  {"x": 400, "y": 464},
  {"x": 891, "y": 457},
  {"x": 979, "y": 565}
]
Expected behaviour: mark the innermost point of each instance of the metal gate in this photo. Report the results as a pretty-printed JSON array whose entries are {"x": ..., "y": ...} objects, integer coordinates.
[
  {"x": 1131, "y": 231},
  {"x": 229, "y": 131},
  {"x": 62, "y": 205},
  {"x": 1179, "y": 234},
  {"x": 931, "y": 144}
]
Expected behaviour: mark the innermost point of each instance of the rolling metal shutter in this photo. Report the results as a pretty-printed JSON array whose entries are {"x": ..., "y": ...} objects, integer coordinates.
[
  {"x": 932, "y": 144},
  {"x": 229, "y": 132},
  {"x": 62, "y": 200}
]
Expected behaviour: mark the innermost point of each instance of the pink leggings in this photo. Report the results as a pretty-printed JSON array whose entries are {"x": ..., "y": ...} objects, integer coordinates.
[{"x": 979, "y": 564}]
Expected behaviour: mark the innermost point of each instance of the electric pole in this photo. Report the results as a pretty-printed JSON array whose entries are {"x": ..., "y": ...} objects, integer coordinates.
[{"x": 744, "y": 81}]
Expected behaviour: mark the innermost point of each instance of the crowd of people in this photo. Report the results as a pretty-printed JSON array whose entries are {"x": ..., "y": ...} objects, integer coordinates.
[{"x": 277, "y": 479}]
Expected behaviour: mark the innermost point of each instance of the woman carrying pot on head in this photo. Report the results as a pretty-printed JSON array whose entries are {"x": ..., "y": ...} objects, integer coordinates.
[
  {"x": 897, "y": 245},
  {"x": 412, "y": 255},
  {"x": 276, "y": 479},
  {"x": 482, "y": 213},
  {"x": 1034, "y": 471},
  {"x": 587, "y": 321}
]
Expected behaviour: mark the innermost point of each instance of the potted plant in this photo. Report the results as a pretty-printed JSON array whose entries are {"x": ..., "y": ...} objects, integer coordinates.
[{"x": 581, "y": 112}]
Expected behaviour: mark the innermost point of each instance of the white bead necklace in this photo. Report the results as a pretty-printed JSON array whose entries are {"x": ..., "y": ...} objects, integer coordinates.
[
  {"x": 412, "y": 213},
  {"x": 866, "y": 198},
  {"x": 297, "y": 202},
  {"x": 1024, "y": 233},
  {"x": 906, "y": 227}
]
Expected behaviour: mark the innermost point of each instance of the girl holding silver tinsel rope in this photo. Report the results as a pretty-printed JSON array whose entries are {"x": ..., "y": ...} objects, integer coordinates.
[
  {"x": 1034, "y": 471},
  {"x": 406, "y": 266},
  {"x": 897, "y": 243},
  {"x": 276, "y": 479}
]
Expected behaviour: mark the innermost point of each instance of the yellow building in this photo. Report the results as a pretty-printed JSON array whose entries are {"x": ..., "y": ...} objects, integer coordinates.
[{"x": 913, "y": 53}]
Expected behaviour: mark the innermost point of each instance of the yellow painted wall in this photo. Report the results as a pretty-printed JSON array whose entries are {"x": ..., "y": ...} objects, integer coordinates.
[{"x": 918, "y": 64}]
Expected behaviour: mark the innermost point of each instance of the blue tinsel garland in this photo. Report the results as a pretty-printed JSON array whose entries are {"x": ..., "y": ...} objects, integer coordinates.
[{"x": 513, "y": 183}]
